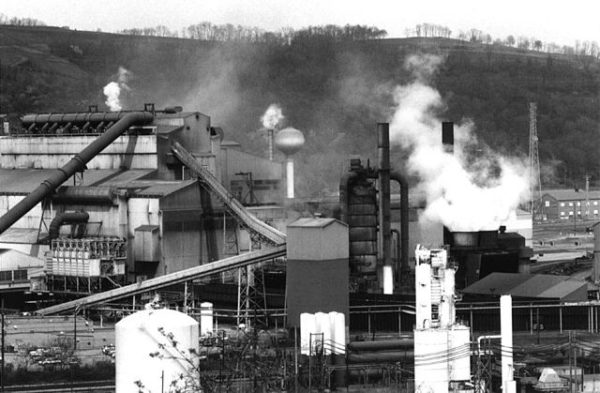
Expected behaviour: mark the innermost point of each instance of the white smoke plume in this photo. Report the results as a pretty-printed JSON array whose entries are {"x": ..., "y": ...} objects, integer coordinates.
[
  {"x": 473, "y": 188},
  {"x": 112, "y": 90},
  {"x": 272, "y": 117}
]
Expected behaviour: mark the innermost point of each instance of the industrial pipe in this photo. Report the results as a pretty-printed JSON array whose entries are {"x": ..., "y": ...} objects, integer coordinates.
[
  {"x": 380, "y": 357},
  {"x": 384, "y": 345},
  {"x": 85, "y": 195},
  {"x": 77, "y": 163},
  {"x": 383, "y": 148},
  {"x": 63, "y": 219},
  {"x": 79, "y": 117},
  {"x": 403, "y": 182}
]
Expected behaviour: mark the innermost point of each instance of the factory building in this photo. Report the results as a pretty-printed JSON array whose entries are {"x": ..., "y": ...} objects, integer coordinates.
[
  {"x": 132, "y": 211},
  {"x": 565, "y": 204}
]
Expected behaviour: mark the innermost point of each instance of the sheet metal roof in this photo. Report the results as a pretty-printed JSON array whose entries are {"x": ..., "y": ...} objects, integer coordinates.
[
  {"x": 23, "y": 181},
  {"x": 313, "y": 222},
  {"x": 13, "y": 259},
  {"x": 19, "y": 235},
  {"x": 497, "y": 283},
  {"x": 542, "y": 286},
  {"x": 158, "y": 188},
  {"x": 571, "y": 194}
]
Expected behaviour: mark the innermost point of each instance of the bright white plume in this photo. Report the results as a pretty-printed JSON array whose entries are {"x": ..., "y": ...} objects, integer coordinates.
[
  {"x": 272, "y": 117},
  {"x": 473, "y": 188},
  {"x": 112, "y": 90}
]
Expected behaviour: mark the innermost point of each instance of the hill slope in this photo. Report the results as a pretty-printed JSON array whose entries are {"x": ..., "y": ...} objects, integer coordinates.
[{"x": 334, "y": 91}]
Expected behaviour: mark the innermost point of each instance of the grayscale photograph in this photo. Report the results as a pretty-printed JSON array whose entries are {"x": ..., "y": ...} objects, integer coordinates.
[{"x": 299, "y": 196}]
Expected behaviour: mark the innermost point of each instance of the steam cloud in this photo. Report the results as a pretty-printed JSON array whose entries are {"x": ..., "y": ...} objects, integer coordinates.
[
  {"x": 472, "y": 189},
  {"x": 272, "y": 117},
  {"x": 112, "y": 90}
]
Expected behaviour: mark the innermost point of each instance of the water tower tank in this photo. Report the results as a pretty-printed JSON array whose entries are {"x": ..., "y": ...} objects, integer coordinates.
[
  {"x": 139, "y": 335},
  {"x": 289, "y": 141}
]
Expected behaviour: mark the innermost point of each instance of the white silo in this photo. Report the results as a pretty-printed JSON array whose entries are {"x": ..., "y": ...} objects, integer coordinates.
[
  {"x": 289, "y": 141},
  {"x": 154, "y": 347}
]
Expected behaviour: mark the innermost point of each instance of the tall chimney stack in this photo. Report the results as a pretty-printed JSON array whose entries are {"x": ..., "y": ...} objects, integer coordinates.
[
  {"x": 383, "y": 147},
  {"x": 448, "y": 144}
]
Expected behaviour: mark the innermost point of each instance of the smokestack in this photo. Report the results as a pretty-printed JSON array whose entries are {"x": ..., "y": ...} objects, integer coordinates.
[
  {"x": 448, "y": 136},
  {"x": 448, "y": 144},
  {"x": 383, "y": 147},
  {"x": 270, "y": 133},
  {"x": 506, "y": 342}
]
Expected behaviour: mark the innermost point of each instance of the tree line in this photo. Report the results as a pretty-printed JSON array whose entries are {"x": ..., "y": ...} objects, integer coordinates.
[
  {"x": 14, "y": 21},
  {"x": 582, "y": 48},
  {"x": 207, "y": 31}
]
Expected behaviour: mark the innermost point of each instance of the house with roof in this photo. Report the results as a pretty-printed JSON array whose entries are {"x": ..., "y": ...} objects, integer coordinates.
[{"x": 570, "y": 204}]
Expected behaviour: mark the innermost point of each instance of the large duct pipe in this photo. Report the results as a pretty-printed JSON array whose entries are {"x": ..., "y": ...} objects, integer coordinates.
[
  {"x": 82, "y": 195},
  {"x": 403, "y": 182},
  {"x": 383, "y": 148},
  {"x": 77, "y": 163},
  {"x": 80, "y": 117},
  {"x": 381, "y": 357},
  {"x": 383, "y": 345},
  {"x": 64, "y": 219}
]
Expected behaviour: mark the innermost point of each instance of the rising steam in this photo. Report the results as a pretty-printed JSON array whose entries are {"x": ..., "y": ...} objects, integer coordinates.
[
  {"x": 472, "y": 189},
  {"x": 272, "y": 117},
  {"x": 112, "y": 90}
]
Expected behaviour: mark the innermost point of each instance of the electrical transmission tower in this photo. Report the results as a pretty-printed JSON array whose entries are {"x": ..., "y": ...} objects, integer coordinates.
[{"x": 535, "y": 184}]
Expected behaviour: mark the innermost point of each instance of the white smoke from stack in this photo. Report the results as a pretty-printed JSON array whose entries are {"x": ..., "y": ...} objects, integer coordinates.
[
  {"x": 112, "y": 90},
  {"x": 272, "y": 117},
  {"x": 463, "y": 191}
]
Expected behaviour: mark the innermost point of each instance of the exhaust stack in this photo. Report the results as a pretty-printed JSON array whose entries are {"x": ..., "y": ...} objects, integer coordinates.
[{"x": 383, "y": 146}]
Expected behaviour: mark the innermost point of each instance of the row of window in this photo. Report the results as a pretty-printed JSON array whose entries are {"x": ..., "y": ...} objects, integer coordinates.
[
  {"x": 13, "y": 275},
  {"x": 563, "y": 204},
  {"x": 578, "y": 213}
]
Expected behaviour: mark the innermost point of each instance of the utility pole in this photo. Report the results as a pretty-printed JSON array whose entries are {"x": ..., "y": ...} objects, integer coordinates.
[
  {"x": 587, "y": 196},
  {"x": 2, "y": 375},
  {"x": 535, "y": 184}
]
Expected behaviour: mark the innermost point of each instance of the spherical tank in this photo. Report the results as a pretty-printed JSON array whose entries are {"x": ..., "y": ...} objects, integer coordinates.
[
  {"x": 145, "y": 350},
  {"x": 289, "y": 140}
]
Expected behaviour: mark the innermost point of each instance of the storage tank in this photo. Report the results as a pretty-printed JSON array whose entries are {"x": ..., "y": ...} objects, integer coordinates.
[{"x": 145, "y": 353}]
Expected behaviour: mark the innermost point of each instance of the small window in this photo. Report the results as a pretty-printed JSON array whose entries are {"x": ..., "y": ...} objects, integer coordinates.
[
  {"x": 6, "y": 275},
  {"x": 595, "y": 211},
  {"x": 571, "y": 213},
  {"x": 562, "y": 213},
  {"x": 562, "y": 204},
  {"x": 578, "y": 203},
  {"x": 570, "y": 203},
  {"x": 595, "y": 203},
  {"x": 547, "y": 203},
  {"x": 20, "y": 275}
]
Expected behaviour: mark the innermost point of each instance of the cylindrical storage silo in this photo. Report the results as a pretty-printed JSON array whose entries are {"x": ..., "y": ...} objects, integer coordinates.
[
  {"x": 324, "y": 327},
  {"x": 308, "y": 325},
  {"x": 206, "y": 318},
  {"x": 145, "y": 353}
]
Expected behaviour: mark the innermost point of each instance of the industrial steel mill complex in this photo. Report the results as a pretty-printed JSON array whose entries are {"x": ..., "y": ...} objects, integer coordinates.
[{"x": 149, "y": 240}]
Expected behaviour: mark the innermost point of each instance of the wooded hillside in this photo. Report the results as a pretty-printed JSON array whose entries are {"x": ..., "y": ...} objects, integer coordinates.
[{"x": 335, "y": 91}]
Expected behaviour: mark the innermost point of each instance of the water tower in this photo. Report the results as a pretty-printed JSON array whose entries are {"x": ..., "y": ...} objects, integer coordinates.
[{"x": 289, "y": 141}]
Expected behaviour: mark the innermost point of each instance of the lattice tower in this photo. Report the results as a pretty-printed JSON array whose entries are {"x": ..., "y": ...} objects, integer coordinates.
[{"x": 535, "y": 184}]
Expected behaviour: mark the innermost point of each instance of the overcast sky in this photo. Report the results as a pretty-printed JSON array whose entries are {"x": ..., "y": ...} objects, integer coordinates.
[{"x": 558, "y": 21}]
